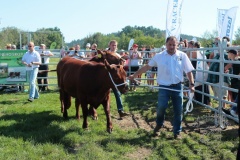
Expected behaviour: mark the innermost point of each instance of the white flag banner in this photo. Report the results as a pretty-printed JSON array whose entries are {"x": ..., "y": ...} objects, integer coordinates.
[
  {"x": 174, "y": 18},
  {"x": 228, "y": 23},
  {"x": 130, "y": 43},
  {"x": 220, "y": 18}
]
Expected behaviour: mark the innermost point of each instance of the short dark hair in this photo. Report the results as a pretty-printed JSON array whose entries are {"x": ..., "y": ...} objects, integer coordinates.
[
  {"x": 171, "y": 38},
  {"x": 233, "y": 51}
]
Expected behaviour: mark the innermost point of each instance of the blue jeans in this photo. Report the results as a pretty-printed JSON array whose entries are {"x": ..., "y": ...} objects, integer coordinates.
[
  {"x": 234, "y": 108},
  {"x": 118, "y": 98},
  {"x": 164, "y": 96},
  {"x": 32, "y": 75}
]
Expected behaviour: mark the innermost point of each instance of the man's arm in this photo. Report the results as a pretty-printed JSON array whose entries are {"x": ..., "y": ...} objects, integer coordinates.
[
  {"x": 140, "y": 71},
  {"x": 191, "y": 81}
]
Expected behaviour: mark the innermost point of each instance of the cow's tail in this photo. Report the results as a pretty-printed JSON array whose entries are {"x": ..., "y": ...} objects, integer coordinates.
[{"x": 45, "y": 71}]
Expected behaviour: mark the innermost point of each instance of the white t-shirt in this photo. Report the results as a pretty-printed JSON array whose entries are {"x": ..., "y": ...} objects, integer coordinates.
[
  {"x": 135, "y": 61},
  {"x": 171, "y": 67},
  {"x": 46, "y": 58},
  {"x": 29, "y": 57}
]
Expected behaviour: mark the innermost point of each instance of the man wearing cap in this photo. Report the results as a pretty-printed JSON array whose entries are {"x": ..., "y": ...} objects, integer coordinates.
[
  {"x": 42, "y": 77},
  {"x": 88, "y": 49}
]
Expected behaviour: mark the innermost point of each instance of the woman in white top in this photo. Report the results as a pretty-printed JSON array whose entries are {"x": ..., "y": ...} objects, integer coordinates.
[{"x": 135, "y": 60}]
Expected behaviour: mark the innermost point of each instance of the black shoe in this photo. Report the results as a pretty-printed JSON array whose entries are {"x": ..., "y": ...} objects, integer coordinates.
[
  {"x": 156, "y": 130},
  {"x": 177, "y": 136},
  {"x": 122, "y": 114}
]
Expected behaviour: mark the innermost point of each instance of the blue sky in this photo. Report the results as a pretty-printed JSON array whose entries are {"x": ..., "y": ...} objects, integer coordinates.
[{"x": 79, "y": 18}]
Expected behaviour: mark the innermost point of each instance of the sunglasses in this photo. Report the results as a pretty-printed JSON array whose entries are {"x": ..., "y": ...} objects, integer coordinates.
[{"x": 29, "y": 46}]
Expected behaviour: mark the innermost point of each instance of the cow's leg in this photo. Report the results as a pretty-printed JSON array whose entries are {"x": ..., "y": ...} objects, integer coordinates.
[
  {"x": 65, "y": 100},
  {"x": 92, "y": 111},
  {"x": 106, "y": 107},
  {"x": 85, "y": 114},
  {"x": 77, "y": 105}
]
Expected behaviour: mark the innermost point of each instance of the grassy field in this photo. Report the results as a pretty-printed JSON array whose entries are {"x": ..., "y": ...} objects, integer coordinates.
[{"x": 37, "y": 130}]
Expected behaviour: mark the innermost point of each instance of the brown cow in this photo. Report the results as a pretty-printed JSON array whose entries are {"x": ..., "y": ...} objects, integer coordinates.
[
  {"x": 90, "y": 83},
  {"x": 101, "y": 56}
]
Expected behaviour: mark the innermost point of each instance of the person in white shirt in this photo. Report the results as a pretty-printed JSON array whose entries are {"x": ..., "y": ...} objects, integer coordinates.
[
  {"x": 171, "y": 64},
  {"x": 42, "y": 76},
  {"x": 135, "y": 62},
  {"x": 31, "y": 59}
]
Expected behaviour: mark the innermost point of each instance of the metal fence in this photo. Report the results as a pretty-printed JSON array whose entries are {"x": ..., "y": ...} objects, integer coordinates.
[{"x": 222, "y": 48}]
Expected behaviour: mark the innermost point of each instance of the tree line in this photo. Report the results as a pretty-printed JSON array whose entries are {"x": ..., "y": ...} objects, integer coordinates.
[{"x": 148, "y": 36}]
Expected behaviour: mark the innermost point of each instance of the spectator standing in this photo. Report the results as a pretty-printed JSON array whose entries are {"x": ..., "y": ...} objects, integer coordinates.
[
  {"x": 213, "y": 78},
  {"x": 77, "y": 53},
  {"x": 42, "y": 76},
  {"x": 94, "y": 50},
  {"x": 88, "y": 49},
  {"x": 31, "y": 59},
  {"x": 113, "y": 48},
  {"x": 13, "y": 47},
  {"x": 8, "y": 46},
  {"x": 135, "y": 61},
  {"x": 200, "y": 76},
  {"x": 235, "y": 82},
  {"x": 62, "y": 52},
  {"x": 171, "y": 64}
]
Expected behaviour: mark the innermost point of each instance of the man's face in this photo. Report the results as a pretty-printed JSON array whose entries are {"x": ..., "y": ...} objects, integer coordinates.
[
  {"x": 113, "y": 46},
  {"x": 171, "y": 46},
  {"x": 77, "y": 47}
]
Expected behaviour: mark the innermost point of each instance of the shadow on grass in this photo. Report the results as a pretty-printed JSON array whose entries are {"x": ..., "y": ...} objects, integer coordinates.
[{"x": 37, "y": 127}]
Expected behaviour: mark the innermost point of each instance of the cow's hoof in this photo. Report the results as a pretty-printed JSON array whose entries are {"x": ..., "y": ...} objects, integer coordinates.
[
  {"x": 95, "y": 117},
  {"x": 65, "y": 116},
  {"x": 109, "y": 130}
]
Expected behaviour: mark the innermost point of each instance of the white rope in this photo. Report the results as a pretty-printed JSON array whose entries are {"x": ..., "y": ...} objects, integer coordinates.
[
  {"x": 189, "y": 105},
  {"x": 116, "y": 85}
]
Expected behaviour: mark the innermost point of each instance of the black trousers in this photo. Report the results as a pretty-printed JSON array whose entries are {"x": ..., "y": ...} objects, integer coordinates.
[{"x": 42, "y": 78}]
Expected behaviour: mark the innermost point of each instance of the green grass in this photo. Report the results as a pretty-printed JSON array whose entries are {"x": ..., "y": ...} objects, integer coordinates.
[{"x": 37, "y": 130}]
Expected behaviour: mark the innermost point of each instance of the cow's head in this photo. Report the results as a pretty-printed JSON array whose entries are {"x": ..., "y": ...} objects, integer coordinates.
[
  {"x": 111, "y": 57},
  {"x": 118, "y": 76}
]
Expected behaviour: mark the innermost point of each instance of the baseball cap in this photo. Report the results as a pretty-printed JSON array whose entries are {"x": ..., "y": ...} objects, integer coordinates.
[
  {"x": 135, "y": 45},
  {"x": 88, "y": 45}
]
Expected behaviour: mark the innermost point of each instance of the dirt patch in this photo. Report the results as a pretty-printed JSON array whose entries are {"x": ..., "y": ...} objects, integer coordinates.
[
  {"x": 139, "y": 154},
  {"x": 134, "y": 121}
]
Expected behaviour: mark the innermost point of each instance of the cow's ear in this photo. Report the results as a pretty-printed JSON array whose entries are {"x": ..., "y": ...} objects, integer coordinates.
[
  {"x": 104, "y": 53},
  {"x": 99, "y": 54}
]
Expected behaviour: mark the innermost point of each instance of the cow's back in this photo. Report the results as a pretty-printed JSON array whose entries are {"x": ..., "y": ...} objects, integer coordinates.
[{"x": 67, "y": 72}]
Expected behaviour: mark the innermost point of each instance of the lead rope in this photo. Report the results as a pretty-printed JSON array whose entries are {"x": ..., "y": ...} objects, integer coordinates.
[
  {"x": 189, "y": 105},
  {"x": 116, "y": 85}
]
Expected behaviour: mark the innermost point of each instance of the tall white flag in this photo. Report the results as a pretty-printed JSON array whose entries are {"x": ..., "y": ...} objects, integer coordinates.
[
  {"x": 174, "y": 18},
  {"x": 130, "y": 43},
  {"x": 220, "y": 19},
  {"x": 228, "y": 23}
]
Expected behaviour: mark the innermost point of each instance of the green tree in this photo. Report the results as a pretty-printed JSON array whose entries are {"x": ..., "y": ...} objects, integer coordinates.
[
  {"x": 48, "y": 36},
  {"x": 237, "y": 37},
  {"x": 9, "y": 35}
]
